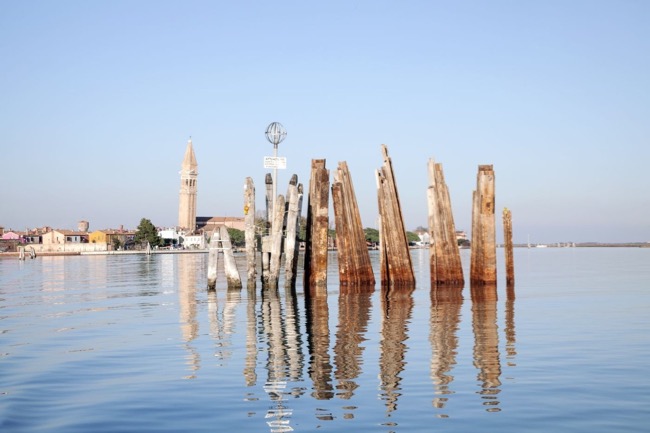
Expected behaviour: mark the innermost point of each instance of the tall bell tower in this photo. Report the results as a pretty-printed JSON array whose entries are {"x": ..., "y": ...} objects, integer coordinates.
[{"x": 187, "y": 198}]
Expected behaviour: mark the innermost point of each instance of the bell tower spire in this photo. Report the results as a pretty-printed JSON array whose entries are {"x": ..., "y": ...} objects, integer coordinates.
[{"x": 187, "y": 197}]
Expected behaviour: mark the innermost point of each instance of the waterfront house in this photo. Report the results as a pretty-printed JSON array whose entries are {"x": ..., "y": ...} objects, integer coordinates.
[{"x": 111, "y": 237}]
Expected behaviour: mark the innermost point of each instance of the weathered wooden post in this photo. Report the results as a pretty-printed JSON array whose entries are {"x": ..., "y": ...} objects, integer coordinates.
[
  {"x": 213, "y": 259},
  {"x": 249, "y": 232},
  {"x": 444, "y": 255},
  {"x": 266, "y": 239},
  {"x": 354, "y": 261},
  {"x": 483, "y": 266},
  {"x": 317, "y": 225},
  {"x": 276, "y": 242},
  {"x": 396, "y": 265},
  {"x": 294, "y": 208},
  {"x": 507, "y": 246},
  {"x": 230, "y": 266}
]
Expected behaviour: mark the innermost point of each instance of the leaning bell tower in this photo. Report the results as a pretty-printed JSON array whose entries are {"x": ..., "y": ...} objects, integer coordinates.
[{"x": 187, "y": 198}]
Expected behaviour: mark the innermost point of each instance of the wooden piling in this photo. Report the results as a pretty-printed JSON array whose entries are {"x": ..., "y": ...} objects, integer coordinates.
[
  {"x": 230, "y": 266},
  {"x": 276, "y": 242},
  {"x": 483, "y": 271},
  {"x": 266, "y": 242},
  {"x": 249, "y": 232},
  {"x": 213, "y": 259},
  {"x": 294, "y": 208},
  {"x": 444, "y": 255},
  {"x": 507, "y": 246},
  {"x": 353, "y": 258},
  {"x": 315, "y": 275},
  {"x": 396, "y": 265}
]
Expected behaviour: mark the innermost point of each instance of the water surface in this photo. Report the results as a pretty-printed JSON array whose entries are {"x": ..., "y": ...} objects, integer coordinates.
[{"x": 137, "y": 343}]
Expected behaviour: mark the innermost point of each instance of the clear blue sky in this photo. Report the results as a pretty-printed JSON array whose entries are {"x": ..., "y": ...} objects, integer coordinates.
[{"x": 98, "y": 99}]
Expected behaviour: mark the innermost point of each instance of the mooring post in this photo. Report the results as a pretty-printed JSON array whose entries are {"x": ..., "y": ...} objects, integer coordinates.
[
  {"x": 317, "y": 225},
  {"x": 507, "y": 246},
  {"x": 483, "y": 269},
  {"x": 230, "y": 266},
  {"x": 213, "y": 259},
  {"x": 276, "y": 242},
  {"x": 266, "y": 243},
  {"x": 446, "y": 267},
  {"x": 294, "y": 207},
  {"x": 354, "y": 261},
  {"x": 397, "y": 270},
  {"x": 249, "y": 233}
]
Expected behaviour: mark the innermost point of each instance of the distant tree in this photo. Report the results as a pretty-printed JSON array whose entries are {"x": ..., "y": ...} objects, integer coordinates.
[
  {"x": 237, "y": 237},
  {"x": 412, "y": 237},
  {"x": 116, "y": 244},
  {"x": 372, "y": 235},
  {"x": 147, "y": 232}
]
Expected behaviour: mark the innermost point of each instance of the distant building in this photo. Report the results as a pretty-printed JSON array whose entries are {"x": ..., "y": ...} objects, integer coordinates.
[
  {"x": 111, "y": 237},
  {"x": 62, "y": 237},
  {"x": 210, "y": 224},
  {"x": 187, "y": 197}
]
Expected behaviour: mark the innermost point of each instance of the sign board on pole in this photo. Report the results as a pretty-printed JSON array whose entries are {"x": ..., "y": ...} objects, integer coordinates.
[{"x": 275, "y": 162}]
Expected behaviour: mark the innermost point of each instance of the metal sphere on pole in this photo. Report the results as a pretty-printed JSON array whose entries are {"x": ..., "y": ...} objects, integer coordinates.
[{"x": 275, "y": 133}]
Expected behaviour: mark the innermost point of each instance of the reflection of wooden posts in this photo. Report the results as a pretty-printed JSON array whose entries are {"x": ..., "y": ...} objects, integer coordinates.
[
  {"x": 507, "y": 246},
  {"x": 276, "y": 242},
  {"x": 317, "y": 224},
  {"x": 249, "y": 233},
  {"x": 353, "y": 257},
  {"x": 354, "y": 314},
  {"x": 446, "y": 303},
  {"x": 486, "y": 344},
  {"x": 446, "y": 267},
  {"x": 397, "y": 307},
  {"x": 294, "y": 207},
  {"x": 318, "y": 334},
  {"x": 396, "y": 266},
  {"x": 250, "y": 363},
  {"x": 229, "y": 264},
  {"x": 483, "y": 269}
]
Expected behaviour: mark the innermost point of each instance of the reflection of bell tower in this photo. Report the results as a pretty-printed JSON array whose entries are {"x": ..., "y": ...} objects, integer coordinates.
[{"x": 187, "y": 199}]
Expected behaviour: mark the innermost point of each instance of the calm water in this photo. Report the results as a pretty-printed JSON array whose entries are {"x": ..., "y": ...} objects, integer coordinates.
[{"x": 136, "y": 343}]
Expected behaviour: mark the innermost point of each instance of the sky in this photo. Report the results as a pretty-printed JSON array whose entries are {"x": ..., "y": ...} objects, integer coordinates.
[{"x": 99, "y": 99}]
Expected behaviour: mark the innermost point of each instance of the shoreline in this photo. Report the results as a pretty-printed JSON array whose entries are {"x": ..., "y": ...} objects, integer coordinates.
[{"x": 15, "y": 254}]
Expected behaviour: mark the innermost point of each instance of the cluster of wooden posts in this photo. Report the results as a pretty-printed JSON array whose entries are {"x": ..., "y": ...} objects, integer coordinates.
[{"x": 355, "y": 270}]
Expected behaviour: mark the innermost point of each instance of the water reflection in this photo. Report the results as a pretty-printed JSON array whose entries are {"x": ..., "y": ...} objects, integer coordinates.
[
  {"x": 222, "y": 319},
  {"x": 187, "y": 283},
  {"x": 250, "y": 374},
  {"x": 486, "y": 344},
  {"x": 354, "y": 313},
  {"x": 318, "y": 337},
  {"x": 446, "y": 303},
  {"x": 511, "y": 350},
  {"x": 397, "y": 305}
]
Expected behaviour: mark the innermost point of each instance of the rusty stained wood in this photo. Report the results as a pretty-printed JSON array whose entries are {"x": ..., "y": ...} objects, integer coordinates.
[
  {"x": 444, "y": 255},
  {"x": 353, "y": 258},
  {"x": 249, "y": 231},
  {"x": 508, "y": 247},
  {"x": 483, "y": 271},
  {"x": 276, "y": 243},
  {"x": 294, "y": 209},
  {"x": 315, "y": 275},
  {"x": 395, "y": 256}
]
